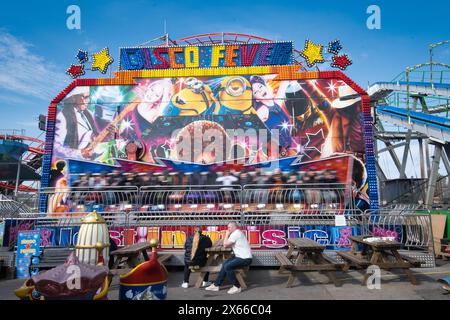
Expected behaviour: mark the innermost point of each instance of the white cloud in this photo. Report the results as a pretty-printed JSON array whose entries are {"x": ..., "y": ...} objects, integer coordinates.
[{"x": 25, "y": 73}]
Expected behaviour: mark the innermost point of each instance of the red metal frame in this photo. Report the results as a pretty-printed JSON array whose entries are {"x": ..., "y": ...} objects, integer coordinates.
[{"x": 228, "y": 37}]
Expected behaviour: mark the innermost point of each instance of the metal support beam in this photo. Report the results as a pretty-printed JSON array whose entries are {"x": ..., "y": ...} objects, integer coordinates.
[
  {"x": 405, "y": 155},
  {"x": 380, "y": 173},
  {"x": 390, "y": 147},
  {"x": 427, "y": 156},
  {"x": 434, "y": 174},
  {"x": 422, "y": 160},
  {"x": 393, "y": 146},
  {"x": 446, "y": 162}
]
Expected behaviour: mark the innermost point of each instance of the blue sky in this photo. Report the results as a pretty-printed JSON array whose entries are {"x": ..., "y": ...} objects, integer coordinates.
[{"x": 36, "y": 47}]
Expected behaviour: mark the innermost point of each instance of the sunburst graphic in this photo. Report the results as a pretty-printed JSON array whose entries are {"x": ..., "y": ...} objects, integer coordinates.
[{"x": 126, "y": 125}]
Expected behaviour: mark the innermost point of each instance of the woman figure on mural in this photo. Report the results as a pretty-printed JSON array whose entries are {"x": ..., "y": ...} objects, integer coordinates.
[
  {"x": 269, "y": 111},
  {"x": 154, "y": 96}
]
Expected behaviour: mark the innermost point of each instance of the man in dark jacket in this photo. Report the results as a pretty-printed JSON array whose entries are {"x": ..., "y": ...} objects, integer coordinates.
[{"x": 195, "y": 255}]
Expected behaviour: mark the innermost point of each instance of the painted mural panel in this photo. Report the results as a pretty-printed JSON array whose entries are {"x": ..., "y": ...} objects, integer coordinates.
[{"x": 208, "y": 120}]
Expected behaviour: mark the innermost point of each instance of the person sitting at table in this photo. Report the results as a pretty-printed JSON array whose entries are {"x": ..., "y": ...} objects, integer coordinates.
[
  {"x": 195, "y": 255},
  {"x": 235, "y": 239}
]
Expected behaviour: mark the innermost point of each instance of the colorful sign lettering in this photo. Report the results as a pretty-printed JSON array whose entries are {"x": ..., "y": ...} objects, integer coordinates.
[{"x": 223, "y": 55}]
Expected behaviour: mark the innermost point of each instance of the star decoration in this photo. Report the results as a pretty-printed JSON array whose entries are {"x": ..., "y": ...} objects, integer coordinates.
[
  {"x": 334, "y": 46},
  {"x": 285, "y": 126},
  {"x": 309, "y": 135},
  {"x": 312, "y": 53},
  {"x": 102, "y": 60},
  {"x": 332, "y": 87},
  {"x": 75, "y": 70},
  {"x": 82, "y": 56},
  {"x": 341, "y": 62}
]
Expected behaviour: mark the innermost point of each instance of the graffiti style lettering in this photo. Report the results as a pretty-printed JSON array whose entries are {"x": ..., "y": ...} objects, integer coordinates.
[
  {"x": 173, "y": 239},
  {"x": 320, "y": 236},
  {"x": 380, "y": 232},
  {"x": 128, "y": 236},
  {"x": 254, "y": 237},
  {"x": 344, "y": 238},
  {"x": 116, "y": 236},
  {"x": 274, "y": 238},
  {"x": 142, "y": 234},
  {"x": 46, "y": 237},
  {"x": 294, "y": 232}
]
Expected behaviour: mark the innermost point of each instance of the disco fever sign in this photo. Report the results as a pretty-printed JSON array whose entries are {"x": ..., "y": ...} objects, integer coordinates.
[{"x": 207, "y": 56}]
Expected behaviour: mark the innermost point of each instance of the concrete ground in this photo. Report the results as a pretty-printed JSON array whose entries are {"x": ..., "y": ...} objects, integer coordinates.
[{"x": 266, "y": 283}]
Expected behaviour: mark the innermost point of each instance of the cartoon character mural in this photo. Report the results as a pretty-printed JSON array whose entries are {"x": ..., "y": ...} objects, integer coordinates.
[
  {"x": 235, "y": 96},
  {"x": 312, "y": 119},
  {"x": 196, "y": 98}
]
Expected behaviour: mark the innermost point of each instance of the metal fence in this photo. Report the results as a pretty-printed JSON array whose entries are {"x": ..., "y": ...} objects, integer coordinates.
[
  {"x": 267, "y": 231},
  {"x": 269, "y": 214},
  {"x": 204, "y": 198},
  {"x": 105, "y": 199},
  {"x": 291, "y": 197}
]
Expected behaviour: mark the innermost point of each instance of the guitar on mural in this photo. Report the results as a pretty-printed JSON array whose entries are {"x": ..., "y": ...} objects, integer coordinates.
[{"x": 112, "y": 127}]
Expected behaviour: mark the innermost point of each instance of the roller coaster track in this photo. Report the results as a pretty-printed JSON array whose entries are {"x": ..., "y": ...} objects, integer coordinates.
[
  {"x": 32, "y": 157},
  {"x": 37, "y": 150},
  {"x": 432, "y": 126},
  {"x": 380, "y": 90}
]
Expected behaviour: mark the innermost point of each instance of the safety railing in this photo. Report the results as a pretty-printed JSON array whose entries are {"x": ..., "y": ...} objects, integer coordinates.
[
  {"x": 296, "y": 198},
  {"x": 412, "y": 229},
  {"x": 9, "y": 206},
  {"x": 204, "y": 198},
  {"x": 83, "y": 199},
  {"x": 264, "y": 230}
]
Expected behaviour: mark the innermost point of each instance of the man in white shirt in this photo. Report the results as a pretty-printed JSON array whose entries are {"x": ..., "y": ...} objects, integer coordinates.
[{"x": 235, "y": 239}]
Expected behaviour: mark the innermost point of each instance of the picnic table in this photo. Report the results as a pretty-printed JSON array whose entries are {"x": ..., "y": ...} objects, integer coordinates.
[
  {"x": 216, "y": 255},
  {"x": 127, "y": 258},
  {"x": 306, "y": 255},
  {"x": 382, "y": 253}
]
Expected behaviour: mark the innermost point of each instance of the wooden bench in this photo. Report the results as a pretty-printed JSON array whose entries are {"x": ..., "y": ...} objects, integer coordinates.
[
  {"x": 164, "y": 257},
  {"x": 356, "y": 260},
  {"x": 414, "y": 262},
  {"x": 309, "y": 257},
  {"x": 284, "y": 261},
  {"x": 380, "y": 252},
  {"x": 50, "y": 258},
  {"x": 240, "y": 274},
  {"x": 118, "y": 272}
]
